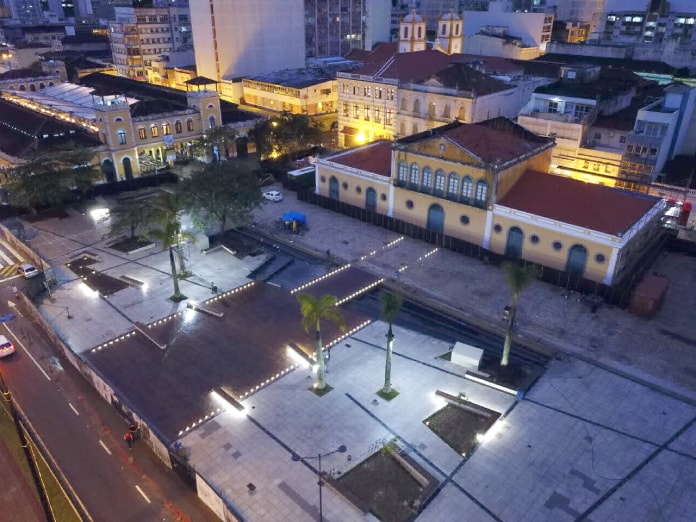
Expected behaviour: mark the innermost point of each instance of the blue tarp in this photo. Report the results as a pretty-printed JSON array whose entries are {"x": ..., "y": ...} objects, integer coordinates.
[{"x": 293, "y": 215}]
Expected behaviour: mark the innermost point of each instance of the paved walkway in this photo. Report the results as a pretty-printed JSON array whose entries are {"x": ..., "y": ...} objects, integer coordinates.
[{"x": 607, "y": 433}]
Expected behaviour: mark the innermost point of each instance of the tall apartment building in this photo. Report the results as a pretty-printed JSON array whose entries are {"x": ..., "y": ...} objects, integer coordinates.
[
  {"x": 236, "y": 38},
  {"x": 588, "y": 11},
  {"x": 140, "y": 36},
  {"x": 336, "y": 27}
]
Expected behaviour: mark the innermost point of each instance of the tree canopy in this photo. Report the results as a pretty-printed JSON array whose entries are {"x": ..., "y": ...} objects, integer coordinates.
[
  {"x": 220, "y": 193},
  {"x": 48, "y": 179},
  {"x": 285, "y": 134}
]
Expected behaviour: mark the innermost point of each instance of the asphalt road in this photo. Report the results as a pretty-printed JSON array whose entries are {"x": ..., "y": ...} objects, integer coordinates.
[{"x": 84, "y": 435}]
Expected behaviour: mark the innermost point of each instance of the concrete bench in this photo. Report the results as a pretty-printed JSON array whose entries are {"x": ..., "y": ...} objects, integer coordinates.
[{"x": 466, "y": 355}]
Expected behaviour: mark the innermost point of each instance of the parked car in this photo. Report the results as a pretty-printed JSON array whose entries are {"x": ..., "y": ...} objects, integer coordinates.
[
  {"x": 273, "y": 195},
  {"x": 6, "y": 347},
  {"x": 27, "y": 270}
]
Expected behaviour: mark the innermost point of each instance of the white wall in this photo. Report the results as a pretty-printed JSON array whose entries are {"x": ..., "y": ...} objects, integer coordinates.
[
  {"x": 253, "y": 37},
  {"x": 377, "y": 23},
  {"x": 527, "y": 26}
]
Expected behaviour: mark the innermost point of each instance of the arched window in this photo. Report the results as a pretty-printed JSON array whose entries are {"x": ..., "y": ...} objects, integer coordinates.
[
  {"x": 401, "y": 175},
  {"x": 415, "y": 174},
  {"x": 439, "y": 182},
  {"x": 456, "y": 29},
  {"x": 118, "y": 119},
  {"x": 436, "y": 219},
  {"x": 211, "y": 106},
  {"x": 32, "y": 87},
  {"x": 404, "y": 104},
  {"x": 405, "y": 33},
  {"x": 371, "y": 199},
  {"x": 461, "y": 113},
  {"x": 154, "y": 131},
  {"x": 333, "y": 188},
  {"x": 577, "y": 260},
  {"x": 211, "y": 121},
  {"x": 141, "y": 133},
  {"x": 443, "y": 30},
  {"x": 165, "y": 128},
  {"x": 481, "y": 193},
  {"x": 42, "y": 85},
  {"x": 446, "y": 111},
  {"x": 427, "y": 180},
  {"x": 420, "y": 32},
  {"x": 515, "y": 240},
  {"x": 452, "y": 185},
  {"x": 416, "y": 106},
  {"x": 467, "y": 188},
  {"x": 121, "y": 136},
  {"x": 22, "y": 87},
  {"x": 189, "y": 125},
  {"x": 178, "y": 127}
]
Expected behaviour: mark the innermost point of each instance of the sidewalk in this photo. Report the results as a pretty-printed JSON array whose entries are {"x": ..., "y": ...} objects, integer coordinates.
[{"x": 477, "y": 293}]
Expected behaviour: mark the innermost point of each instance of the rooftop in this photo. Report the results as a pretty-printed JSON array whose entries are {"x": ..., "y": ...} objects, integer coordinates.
[
  {"x": 493, "y": 141},
  {"x": 603, "y": 209},
  {"x": 609, "y": 84},
  {"x": 463, "y": 77},
  {"x": 374, "y": 158},
  {"x": 24, "y": 132},
  {"x": 296, "y": 78}
]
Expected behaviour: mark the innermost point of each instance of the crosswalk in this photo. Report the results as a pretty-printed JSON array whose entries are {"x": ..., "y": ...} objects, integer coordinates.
[{"x": 10, "y": 259}]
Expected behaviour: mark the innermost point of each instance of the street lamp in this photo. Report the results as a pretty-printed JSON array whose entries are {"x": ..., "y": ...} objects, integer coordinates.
[{"x": 295, "y": 457}]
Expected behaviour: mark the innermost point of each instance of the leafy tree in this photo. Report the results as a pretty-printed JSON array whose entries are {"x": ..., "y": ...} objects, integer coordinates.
[
  {"x": 130, "y": 216},
  {"x": 221, "y": 192},
  {"x": 166, "y": 211},
  {"x": 391, "y": 305},
  {"x": 48, "y": 178},
  {"x": 518, "y": 277},
  {"x": 313, "y": 311},
  {"x": 285, "y": 134},
  {"x": 222, "y": 137}
]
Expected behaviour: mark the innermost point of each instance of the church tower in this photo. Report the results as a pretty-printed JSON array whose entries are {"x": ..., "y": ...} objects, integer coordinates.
[
  {"x": 412, "y": 32},
  {"x": 450, "y": 33}
]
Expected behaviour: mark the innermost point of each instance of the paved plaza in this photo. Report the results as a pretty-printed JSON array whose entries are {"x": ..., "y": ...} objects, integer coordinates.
[{"x": 607, "y": 433}]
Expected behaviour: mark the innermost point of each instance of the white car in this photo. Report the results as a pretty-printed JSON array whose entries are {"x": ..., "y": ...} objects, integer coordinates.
[
  {"x": 273, "y": 195},
  {"x": 6, "y": 347},
  {"x": 27, "y": 270}
]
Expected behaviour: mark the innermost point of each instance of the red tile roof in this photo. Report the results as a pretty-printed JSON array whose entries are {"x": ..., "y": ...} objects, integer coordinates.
[
  {"x": 420, "y": 65},
  {"x": 604, "y": 209},
  {"x": 375, "y": 158},
  {"x": 495, "y": 141}
]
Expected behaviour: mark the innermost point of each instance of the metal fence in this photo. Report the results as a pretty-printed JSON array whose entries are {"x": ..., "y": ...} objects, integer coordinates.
[{"x": 618, "y": 294}]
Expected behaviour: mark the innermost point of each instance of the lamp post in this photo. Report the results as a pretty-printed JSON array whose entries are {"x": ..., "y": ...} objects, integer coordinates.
[{"x": 297, "y": 458}]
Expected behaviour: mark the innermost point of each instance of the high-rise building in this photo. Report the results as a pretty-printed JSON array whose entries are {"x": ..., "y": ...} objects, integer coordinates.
[
  {"x": 140, "y": 36},
  {"x": 336, "y": 27},
  {"x": 235, "y": 38}
]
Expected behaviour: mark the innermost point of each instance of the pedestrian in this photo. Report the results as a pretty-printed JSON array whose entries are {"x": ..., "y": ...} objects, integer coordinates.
[
  {"x": 129, "y": 439},
  {"x": 134, "y": 431},
  {"x": 15, "y": 291}
]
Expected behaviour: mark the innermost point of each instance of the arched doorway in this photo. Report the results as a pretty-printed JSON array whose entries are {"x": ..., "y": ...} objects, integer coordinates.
[
  {"x": 436, "y": 219},
  {"x": 371, "y": 200},
  {"x": 515, "y": 239},
  {"x": 577, "y": 260},
  {"x": 108, "y": 170},
  {"x": 127, "y": 168},
  {"x": 242, "y": 144},
  {"x": 333, "y": 188}
]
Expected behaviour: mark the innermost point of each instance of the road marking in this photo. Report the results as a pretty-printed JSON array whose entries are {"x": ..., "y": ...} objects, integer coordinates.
[
  {"x": 104, "y": 446},
  {"x": 27, "y": 351},
  {"x": 143, "y": 494},
  {"x": 73, "y": 409}
]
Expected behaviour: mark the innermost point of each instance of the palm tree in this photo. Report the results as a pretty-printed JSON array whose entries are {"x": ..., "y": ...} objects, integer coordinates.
[
  {"x": 391, "y": 305},
  {"x": 518, "y": 277},
  {"x": 313, "y": 311},
  {"x": 166, "y": 211}
]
